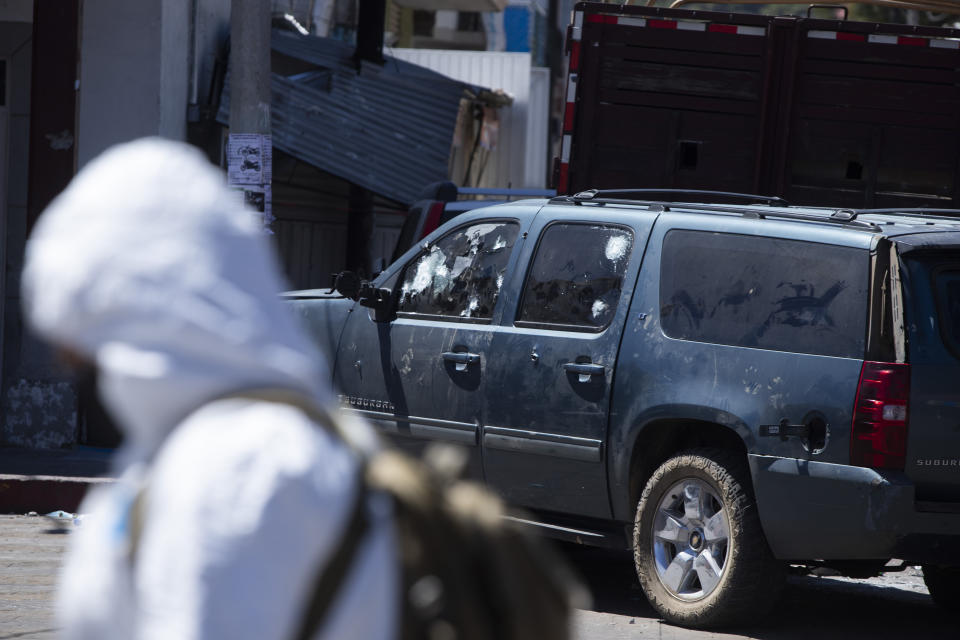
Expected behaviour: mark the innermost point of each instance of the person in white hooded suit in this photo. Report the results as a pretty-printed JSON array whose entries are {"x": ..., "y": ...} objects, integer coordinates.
[{"x": 228, "y": 507}]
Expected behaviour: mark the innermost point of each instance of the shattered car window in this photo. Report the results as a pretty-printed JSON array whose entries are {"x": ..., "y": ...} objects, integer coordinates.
[
  {"x": 767, "y": 293},
  {"x": 461, "y": 274},
  {"x": 577, "y": 276}
]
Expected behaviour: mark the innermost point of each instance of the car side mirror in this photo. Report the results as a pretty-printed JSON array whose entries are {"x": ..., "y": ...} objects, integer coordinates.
[
  {"x": 380, "y": 299},
  {"x": 347, "y": 284}
]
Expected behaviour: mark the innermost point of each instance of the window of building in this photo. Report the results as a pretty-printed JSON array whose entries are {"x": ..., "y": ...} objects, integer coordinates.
[
  {"x": 460, "y": 275},
  {"x": 469, "y": 21},
  {"x": 766, "y": 293},
  {"x": 423, "y": 22},
  {"x": 576, "y": 277}
]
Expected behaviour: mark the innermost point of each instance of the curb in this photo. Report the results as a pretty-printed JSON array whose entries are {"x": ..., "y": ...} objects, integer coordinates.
[{"x": 42, "y": 494}]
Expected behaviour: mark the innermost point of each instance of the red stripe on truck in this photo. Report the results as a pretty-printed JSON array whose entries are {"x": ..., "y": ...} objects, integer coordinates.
[
  {"x": 568, "y": 118},
  {"x": 662, "y": 24},
  {"x": 912, "y": 42},
  {"x": 851, "y": 37},
  {"x": 722, "y": 28},
  {"x": 597, "y": 18},
  {"x": 574, "y": 55}
]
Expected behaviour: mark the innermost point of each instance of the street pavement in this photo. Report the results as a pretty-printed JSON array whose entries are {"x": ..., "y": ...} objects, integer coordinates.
[
  {"x": 894, "y": 606},
  {"x": 31, "y": 549}
]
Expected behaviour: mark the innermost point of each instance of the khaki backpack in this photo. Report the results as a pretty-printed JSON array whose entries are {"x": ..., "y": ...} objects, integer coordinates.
[{"x": 468, "y": 572}]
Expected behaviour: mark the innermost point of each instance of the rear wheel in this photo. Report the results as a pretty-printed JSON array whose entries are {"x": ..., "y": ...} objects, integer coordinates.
[
  {"x": 943, "y": 583},
  {"x": 699, "y": 551}
]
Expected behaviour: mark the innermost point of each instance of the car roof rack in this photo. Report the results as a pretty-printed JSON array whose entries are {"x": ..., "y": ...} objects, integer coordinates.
[
  {"x": 915, "y": 212},
  {"x": 595, "y": 194},
  {"x": 846, "y": 217}
]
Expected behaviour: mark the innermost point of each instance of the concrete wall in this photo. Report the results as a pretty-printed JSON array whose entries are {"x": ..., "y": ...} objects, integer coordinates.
[
  {"x": 38, "y": 411},
  {"x": 141, "y": 63},
  {"x": 134, "y": 72},
  {"x": 210, "y": 31}
]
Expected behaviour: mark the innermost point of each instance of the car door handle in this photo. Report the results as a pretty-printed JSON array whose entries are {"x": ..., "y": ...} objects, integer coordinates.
[
  {"x": 461, "y": 358},
  {"x": 584, "y": 370}
]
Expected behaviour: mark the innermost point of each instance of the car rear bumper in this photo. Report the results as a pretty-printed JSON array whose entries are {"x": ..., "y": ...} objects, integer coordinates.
[{"x": 816, "y": 510}]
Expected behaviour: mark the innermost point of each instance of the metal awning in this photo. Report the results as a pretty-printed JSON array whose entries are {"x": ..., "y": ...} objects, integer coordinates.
[{"x": 388, "y": 129}]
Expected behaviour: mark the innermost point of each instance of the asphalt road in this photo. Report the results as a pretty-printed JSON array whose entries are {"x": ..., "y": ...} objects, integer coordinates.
[
  {"x": 894, "y": 606},
  {"x": 30, "y": 553}
]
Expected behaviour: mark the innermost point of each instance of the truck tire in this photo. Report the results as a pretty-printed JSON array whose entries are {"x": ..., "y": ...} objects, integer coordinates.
[
  {"x": 943, "y": 583},
  {"x": 699, "y": 551}
]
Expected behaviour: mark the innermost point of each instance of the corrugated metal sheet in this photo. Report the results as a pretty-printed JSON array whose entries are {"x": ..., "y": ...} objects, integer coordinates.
[
  {"x": 507, "y": 165},
  {"x": 387, "y": 129}
]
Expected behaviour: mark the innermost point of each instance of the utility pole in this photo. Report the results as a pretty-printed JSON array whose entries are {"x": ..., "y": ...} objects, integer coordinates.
[
  {"x": 371, "y": 19},
  {"x": 250, "y": 148},
  {"x": 371, "y": 16}
]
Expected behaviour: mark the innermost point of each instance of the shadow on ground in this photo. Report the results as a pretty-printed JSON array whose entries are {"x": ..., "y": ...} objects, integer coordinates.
[{"x": 809, "y": 608}]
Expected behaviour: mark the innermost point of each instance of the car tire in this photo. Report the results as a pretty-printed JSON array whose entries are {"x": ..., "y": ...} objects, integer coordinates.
[
  {"x": 943, "y": 583},
  {"x": 699, "y": 551}
]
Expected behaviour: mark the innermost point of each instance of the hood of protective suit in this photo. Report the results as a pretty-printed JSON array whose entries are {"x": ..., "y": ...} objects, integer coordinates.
[{"x": 150, "y": 268}]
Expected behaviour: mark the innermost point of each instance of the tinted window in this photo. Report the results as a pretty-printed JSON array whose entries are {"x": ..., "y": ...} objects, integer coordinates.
[
  {"x": 766, "y": 293},
  {"x": 577, "y": 276},
  {"x": 461, "y": 274},
  {"x": 948, "y": 299}
]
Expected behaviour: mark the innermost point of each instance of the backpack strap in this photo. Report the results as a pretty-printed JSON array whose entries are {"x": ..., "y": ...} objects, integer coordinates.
[{"x": 331, "y": 576}]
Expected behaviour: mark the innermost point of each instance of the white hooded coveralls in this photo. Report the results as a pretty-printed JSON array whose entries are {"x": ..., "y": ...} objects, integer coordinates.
[{"x": 147, "y": 266}]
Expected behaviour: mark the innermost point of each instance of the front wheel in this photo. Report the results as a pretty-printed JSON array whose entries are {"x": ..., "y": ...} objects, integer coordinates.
[{"x": 699, "y": 551}]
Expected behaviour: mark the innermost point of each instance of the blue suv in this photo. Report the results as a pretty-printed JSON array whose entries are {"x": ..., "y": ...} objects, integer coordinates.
[{"x": 724, "y": 383}]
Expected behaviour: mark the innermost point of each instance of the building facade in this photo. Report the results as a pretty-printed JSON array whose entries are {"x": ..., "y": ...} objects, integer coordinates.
[{"x": 77, "y": 76}]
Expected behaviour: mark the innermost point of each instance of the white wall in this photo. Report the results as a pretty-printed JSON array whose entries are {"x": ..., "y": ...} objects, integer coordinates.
[
  {"x": 511, "y": 72},
  {"x": 538, "y": 127},
  {"x": 134, "y": 72}
]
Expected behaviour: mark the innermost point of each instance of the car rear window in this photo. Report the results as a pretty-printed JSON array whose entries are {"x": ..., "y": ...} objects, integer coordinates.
[
  {"x": 576, "y": 278},
  {"x": 948, "y": 304},
  {"x": 765, "y": 293}
]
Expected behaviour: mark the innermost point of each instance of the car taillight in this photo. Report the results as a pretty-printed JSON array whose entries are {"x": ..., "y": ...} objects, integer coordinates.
[
  {"x": 433, "y": 219},
  {"x": 878, "y": 436}
]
